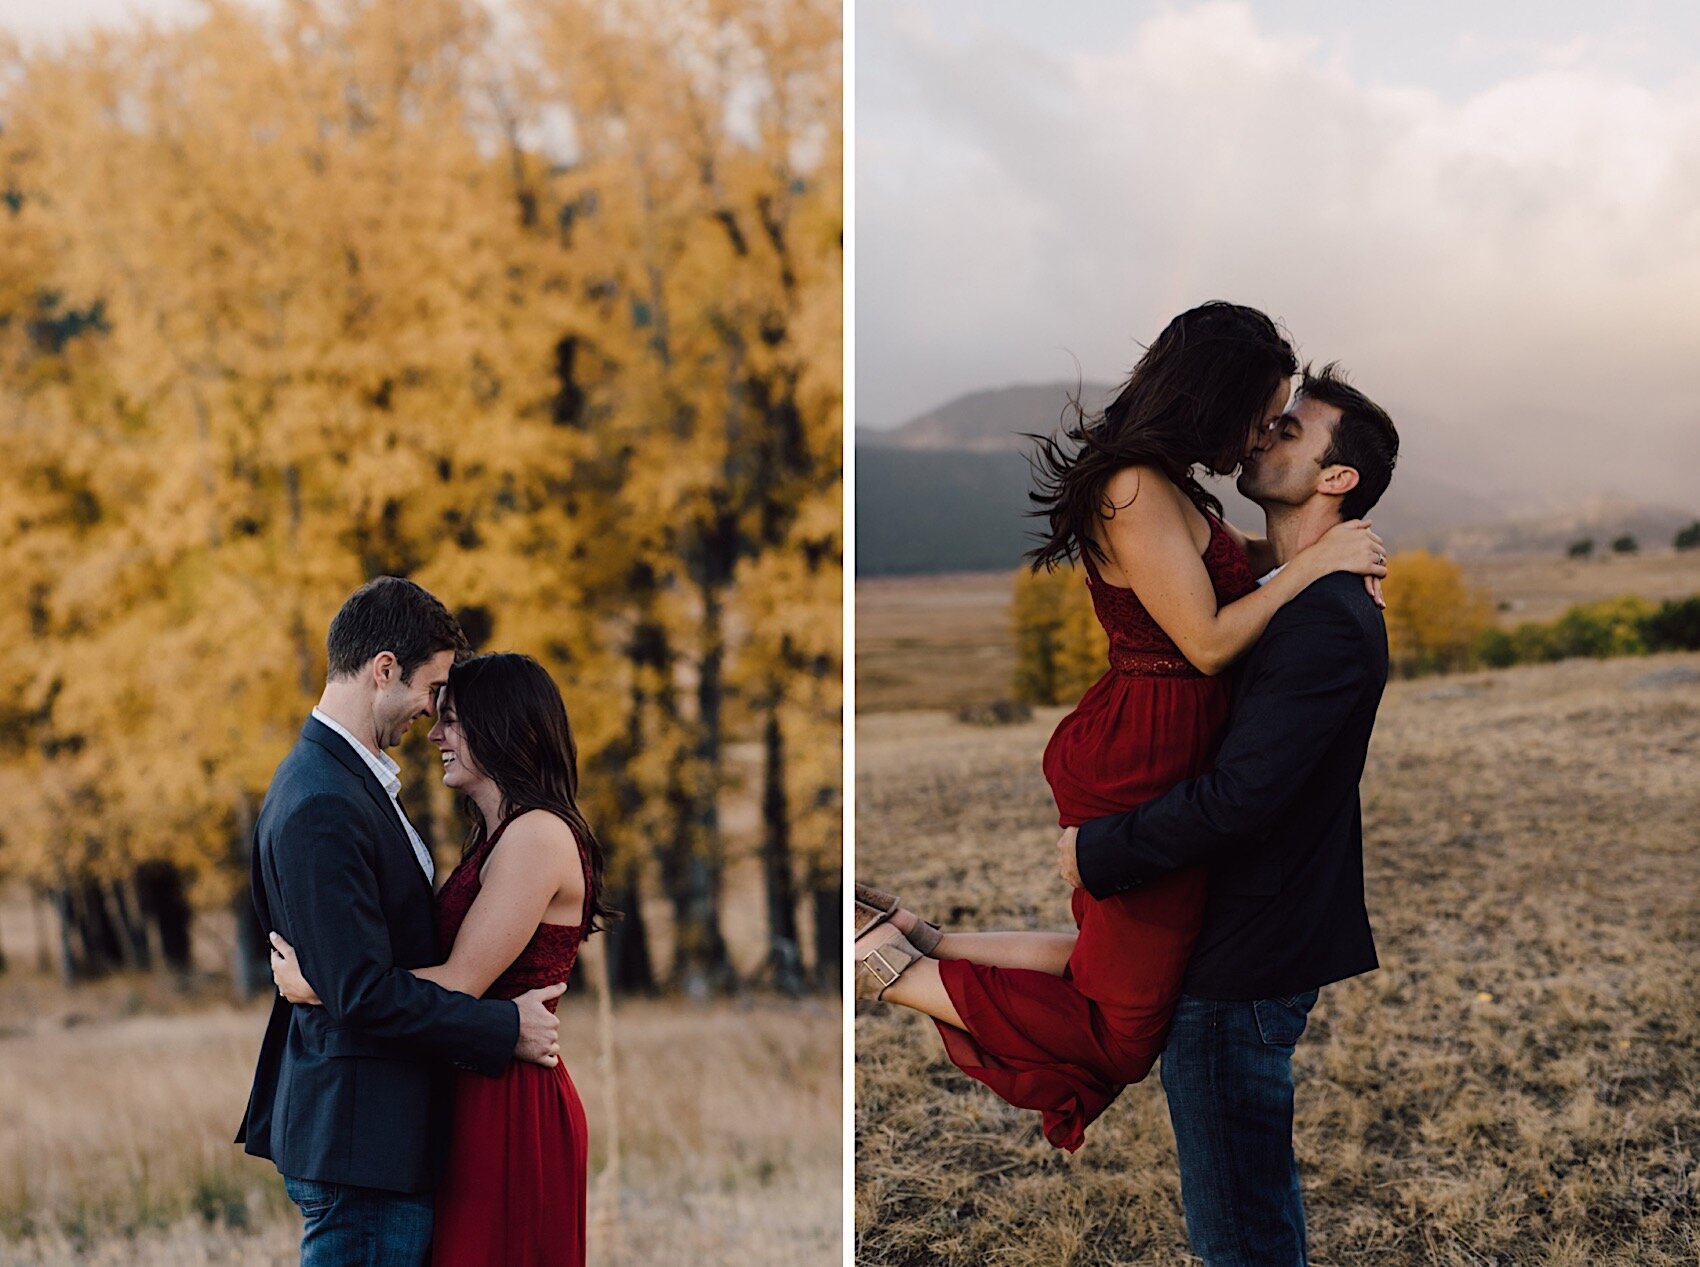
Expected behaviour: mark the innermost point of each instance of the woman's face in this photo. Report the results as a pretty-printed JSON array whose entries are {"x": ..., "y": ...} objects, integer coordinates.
[
  {"x": 1263, "y": 426},
  {"x": 460, "y": 771}
]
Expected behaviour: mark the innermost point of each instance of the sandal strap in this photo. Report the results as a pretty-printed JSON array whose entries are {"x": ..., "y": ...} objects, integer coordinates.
[
  {"x": 870, "y": 916},
  {"x": 879, "y": 899},
  {"x": 925, "y": 936}
]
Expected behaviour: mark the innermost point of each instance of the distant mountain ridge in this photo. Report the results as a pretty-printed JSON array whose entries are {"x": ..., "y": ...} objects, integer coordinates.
[
  {"x": 947, "y": 492},
  {"x": 989, "y": 421}
]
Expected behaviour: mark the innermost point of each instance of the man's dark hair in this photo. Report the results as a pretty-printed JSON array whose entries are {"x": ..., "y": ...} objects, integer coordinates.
[
  {"x": 1364, "y": 437},
  {"x": 394, "y": 615}
]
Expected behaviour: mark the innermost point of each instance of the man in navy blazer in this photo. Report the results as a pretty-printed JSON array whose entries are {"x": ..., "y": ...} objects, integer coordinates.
[
  {"x": 349, "y": 1098},
  {"x": 1279, "y": 824}
]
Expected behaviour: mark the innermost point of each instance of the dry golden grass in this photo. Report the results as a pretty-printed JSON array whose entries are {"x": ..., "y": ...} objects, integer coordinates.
[
  {"x": 941, "y": 641},
  {"x": 933, "y": 641},
  {"x": 1542, "y": 588},
  {"x": 116, "y": 1147},
  {"x": 1520, "y": 1081}
]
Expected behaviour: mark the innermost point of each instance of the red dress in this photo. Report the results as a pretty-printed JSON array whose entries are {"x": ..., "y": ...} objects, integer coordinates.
[
  {"x": 514, "y": 1191},
  {"x": 1067, "y": 1045}
]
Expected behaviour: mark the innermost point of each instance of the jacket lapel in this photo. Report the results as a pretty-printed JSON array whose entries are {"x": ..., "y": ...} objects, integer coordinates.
[{"x": 317, "y": 732}]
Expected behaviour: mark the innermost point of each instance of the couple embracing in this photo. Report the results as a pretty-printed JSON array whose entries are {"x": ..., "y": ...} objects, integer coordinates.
[
  {"x": 409, "y": 1085},
  {"x": 1212, "y": 829}
]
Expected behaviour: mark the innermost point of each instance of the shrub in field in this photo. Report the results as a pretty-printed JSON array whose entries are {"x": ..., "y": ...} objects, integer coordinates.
[
  {"x": 1609, "y": 628},
  {"x": 1434, "y": 620},
  {"x": 1675, "y": 626},
  {"x": 1625, "y": 544},
  {"x": 1496, "y": 649},
  {"x": 1060, "y": 649},
  {"x": 1688, "y": 538},
  {"x": 1613, "y": 627},
  {"x": 1581, "y": 549}
]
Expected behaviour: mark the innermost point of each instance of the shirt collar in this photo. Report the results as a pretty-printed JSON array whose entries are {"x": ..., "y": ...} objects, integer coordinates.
[{"x": 381, "y": 764}]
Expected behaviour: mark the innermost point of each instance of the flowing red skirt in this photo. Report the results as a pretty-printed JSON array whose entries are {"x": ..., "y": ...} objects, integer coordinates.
[
  {"x": 514, "y": 1192},
  {"x": 1066, "y": 1046}
]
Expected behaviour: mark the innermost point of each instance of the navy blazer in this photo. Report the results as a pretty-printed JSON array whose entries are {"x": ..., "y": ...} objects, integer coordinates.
[
  {"x": 1278, "y": 819},
  {"x": 356, "y": 1091}
]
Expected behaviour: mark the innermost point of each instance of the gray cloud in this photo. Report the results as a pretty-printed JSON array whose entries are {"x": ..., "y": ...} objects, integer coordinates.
[{"x": 1514, "y": 263}]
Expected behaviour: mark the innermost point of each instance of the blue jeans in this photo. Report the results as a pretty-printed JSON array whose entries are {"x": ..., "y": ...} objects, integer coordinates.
[
  {"x": 347, "y": 1225},
  {"x": 1228, "y": 1074}
]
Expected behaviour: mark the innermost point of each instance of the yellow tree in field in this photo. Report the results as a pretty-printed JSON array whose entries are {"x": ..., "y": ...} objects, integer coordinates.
[
  {"x": 327, "y": 354},
  {"x": 1061, "y": 648},
  {"x": 1434, "y": 619},
  {"x": 788, "y": 677},
  {"x": 707, "y": 185},
  {"x": 297, "y": 296}
]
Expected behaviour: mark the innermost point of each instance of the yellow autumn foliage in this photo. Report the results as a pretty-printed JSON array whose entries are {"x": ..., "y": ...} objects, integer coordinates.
[
  {"x": 1061, "y": 648},
  {"x": 1434, "y": 619},
  {"x": 292, "y": 296}
]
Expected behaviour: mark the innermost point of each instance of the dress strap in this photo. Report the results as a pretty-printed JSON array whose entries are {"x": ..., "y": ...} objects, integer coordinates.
[{"x": 584, "y": 861}]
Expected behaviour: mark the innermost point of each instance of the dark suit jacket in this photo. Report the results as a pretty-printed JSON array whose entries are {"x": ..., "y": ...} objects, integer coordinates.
[
  {"x": 355, "y": 1091},
  {"x": 1278, "y": 819}
]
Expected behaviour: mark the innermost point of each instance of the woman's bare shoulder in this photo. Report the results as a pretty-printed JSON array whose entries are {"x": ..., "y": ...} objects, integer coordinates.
[
  {"x": 543, "y": 847},
  {"x": 540, "y": 831},
  {"x": 1144, "y": 494}
]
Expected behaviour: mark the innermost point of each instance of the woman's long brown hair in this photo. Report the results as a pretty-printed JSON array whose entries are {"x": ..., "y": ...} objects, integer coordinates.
[
  {"x": 1190, "y": 401},
  {"x": 517, "y": 732}
]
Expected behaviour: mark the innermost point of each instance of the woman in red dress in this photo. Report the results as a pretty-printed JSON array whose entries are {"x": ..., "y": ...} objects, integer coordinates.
[
  {"x": 1060, "y": 1022},
  {"x": 511, "y": 916}
]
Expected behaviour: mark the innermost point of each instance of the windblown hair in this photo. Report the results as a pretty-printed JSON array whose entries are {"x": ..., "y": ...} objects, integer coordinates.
[
  {"x": 395, "y": 615},
  {"x": 1190, "y": 401},
  {"x": 1364, "y": 438},
  {"x": 516, "y": 729}
]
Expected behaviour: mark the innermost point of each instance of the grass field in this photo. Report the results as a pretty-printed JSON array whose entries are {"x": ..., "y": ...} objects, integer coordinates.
[
  {"x": 120, "y": 1102},
  {"x": 1520, "y": 1081},
  {"x": 942, "y": 641}
]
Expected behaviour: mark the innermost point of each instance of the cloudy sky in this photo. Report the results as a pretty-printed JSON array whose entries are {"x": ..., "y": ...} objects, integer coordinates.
[
  {"x": 1491, "y": 214},
  {"x": 37, "y": 20}
]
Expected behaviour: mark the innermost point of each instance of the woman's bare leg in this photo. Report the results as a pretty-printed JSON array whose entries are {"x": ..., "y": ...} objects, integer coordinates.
[
  {"x": 1039, "y": 952},
  {"x": 920, "y": 987}
]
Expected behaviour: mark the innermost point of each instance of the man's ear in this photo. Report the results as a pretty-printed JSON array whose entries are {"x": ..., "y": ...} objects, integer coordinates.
[
  {"x": 1337, "y": 480},
  {"x": 385, "y": 668}
]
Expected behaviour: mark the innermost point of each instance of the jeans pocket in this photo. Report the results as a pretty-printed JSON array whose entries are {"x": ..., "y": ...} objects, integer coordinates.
[
  {"x": 311, "y": 1197},
  {"x": 1281, "y": 1022}
]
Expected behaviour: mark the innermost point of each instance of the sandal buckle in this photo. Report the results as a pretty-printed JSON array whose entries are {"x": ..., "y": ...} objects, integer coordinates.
[{"x": 876, "y": 963}]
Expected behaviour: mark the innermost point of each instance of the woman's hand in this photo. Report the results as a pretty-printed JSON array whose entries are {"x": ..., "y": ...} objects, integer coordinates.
[
  {"x": 286, "y": 973},
  {"x": 1351, "y": 547}
]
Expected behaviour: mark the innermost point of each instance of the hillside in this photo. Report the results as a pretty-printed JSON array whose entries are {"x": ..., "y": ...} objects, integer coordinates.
[{"x": 947, "y": 491}]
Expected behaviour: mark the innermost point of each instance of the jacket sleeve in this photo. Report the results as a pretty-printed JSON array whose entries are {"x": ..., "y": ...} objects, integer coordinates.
[
  {"x": 328, "y": 909},
  {"x": 1310, "y": 674}
]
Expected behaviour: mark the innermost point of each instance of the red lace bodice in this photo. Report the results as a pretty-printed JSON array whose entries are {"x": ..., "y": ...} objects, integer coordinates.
[
  {"x": 1138, "y": 645},
  {"x": 547, "y": 958}
]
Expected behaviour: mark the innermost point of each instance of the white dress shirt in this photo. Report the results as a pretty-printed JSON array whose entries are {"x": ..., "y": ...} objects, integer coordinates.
[{"x": 388, "y": 774}]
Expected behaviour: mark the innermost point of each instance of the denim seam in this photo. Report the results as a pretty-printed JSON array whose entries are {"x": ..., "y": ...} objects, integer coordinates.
[{"x": 1241, "y": 1245}]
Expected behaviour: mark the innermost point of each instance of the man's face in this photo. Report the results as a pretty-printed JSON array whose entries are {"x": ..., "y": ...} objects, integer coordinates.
[
  {"x": 399, "y": 704},
  {"x": 1287, "y": 465}
]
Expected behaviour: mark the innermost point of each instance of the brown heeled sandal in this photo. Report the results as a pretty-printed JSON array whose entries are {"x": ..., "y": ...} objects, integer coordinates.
[{"x": 875, "y": 906}]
